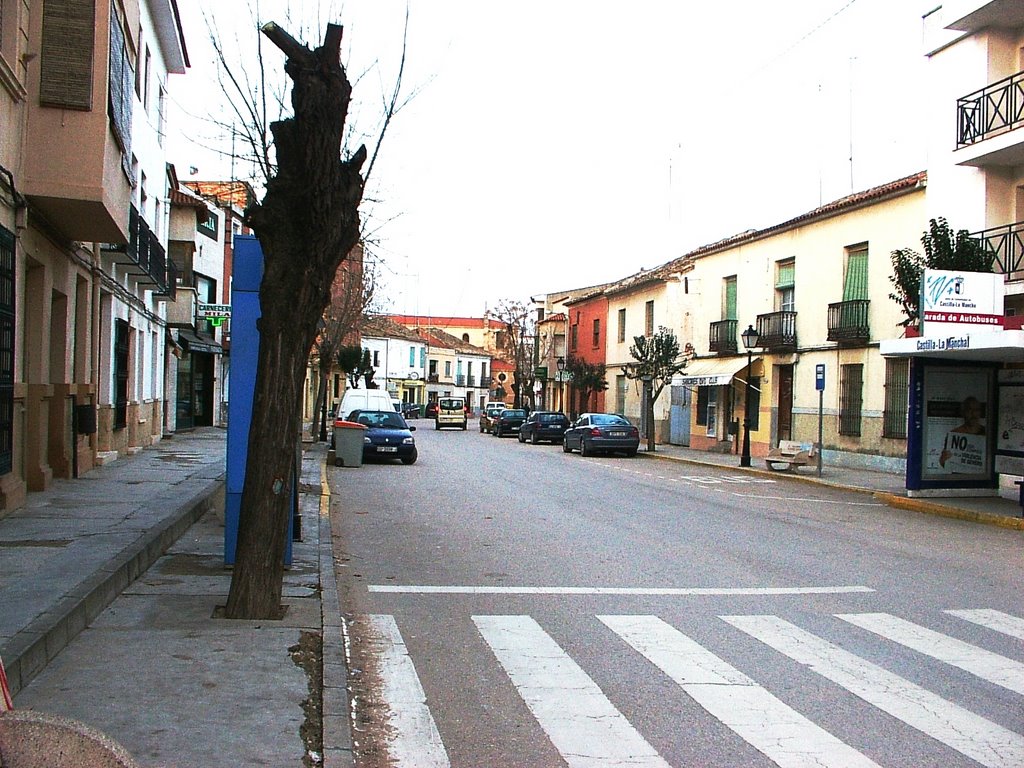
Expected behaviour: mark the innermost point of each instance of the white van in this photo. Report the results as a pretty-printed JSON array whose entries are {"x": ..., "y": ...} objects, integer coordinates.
[{"x": 364, "y": 400}]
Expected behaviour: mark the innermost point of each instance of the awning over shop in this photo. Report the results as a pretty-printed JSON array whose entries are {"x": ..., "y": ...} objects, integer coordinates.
[
  {"x": 193, "y": 342},
  {"x": 983, "y": 346},
  {"x": 711, "y": 372}
]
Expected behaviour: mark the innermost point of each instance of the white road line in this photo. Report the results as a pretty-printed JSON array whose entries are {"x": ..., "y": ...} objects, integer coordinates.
[
  {"x": 583, "y": 725},
  {"x": 997, "y": 669},
  {"x": 415, "y": 741},
  {"x": 763, "y": 721},
  {"x": 994, "y": 620},
  {"x": 426, "y": 589},
  {"x": 982, "y": 740}
]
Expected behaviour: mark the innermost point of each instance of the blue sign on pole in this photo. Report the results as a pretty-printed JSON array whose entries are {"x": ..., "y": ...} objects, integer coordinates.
[{"x": 819, "y": 377}]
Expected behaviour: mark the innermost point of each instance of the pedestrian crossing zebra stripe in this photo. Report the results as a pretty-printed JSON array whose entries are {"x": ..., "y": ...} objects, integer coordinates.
[
  {"x": 972, "y": 735},
  {"x": 415, "y": 740},
  {"x": 989, "y": 666},
  {"x": 588, "y": 731},
  {"x": 763, "y": 721},
  {"x": 994, "y": 620}
]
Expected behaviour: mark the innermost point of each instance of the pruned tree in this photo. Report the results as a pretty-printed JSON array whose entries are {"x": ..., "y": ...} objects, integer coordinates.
[
  {"x": 352, "y": 294},
  {"x": 586, "y": 378},
  {"x": 658, "y": 358},
  {"x": 307, "y": 223},
  {"x": 355, "y": 362},
  {"x": 517, "y": 321},
  {"x": 943, "y": 249}
]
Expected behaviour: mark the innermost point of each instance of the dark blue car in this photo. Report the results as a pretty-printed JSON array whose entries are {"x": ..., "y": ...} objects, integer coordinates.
[{"x": 387, "y": 436}]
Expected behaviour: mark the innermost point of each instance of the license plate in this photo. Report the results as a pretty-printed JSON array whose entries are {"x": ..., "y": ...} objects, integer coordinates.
[
  {"x": 616, "y": 434},
  {"x": 387, "y": 449}
]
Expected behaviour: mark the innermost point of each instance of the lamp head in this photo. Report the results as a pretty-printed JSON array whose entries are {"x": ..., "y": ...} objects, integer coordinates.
[{"x": 750, "y": 337}]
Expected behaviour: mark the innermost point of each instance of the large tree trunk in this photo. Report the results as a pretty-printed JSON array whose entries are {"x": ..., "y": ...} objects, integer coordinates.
[{"x": 307, "y": 223}]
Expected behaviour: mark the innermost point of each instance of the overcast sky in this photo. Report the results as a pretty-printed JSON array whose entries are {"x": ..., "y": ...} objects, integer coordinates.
[{"x": 552, "y": 144}]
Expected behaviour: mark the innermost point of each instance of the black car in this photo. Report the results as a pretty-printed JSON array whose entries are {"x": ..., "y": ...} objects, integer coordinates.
[
  {"x": 507, "y": 422},
  {"x": 387, "y": 436},
  {"x": 431, "y": 412},
  {"x": 411, "y": 410},
  {"x": 601, "y": 433},
  {"x": 544, "y": 426}
]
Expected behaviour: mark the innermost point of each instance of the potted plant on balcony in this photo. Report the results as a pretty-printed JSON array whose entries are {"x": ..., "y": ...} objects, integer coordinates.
[{"x": 942, "y": 250}]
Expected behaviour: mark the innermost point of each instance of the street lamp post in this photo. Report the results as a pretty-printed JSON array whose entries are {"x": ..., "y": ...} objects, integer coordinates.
[{"x": 750, "y": 338}]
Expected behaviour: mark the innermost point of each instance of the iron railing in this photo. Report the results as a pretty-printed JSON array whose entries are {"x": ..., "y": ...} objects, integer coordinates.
[
  {"x": 722, "y": 337},
  {"x": 485, "y": 381},
  {"x": 460, "y": 380},
  {"x": 776, "y": 331},
  {"x": 143, "y": 254},
  {"x": 471, "y": 380},
  {"x": 1006, "y": 246},
  {"x": 848, "y": 322},
  {"x": 432, "y": 378},
  {"x": 995, "y": 109}
]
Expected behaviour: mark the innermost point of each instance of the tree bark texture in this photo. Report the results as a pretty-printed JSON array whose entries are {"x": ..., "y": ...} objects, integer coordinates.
[{"x": 307, "y": 223}]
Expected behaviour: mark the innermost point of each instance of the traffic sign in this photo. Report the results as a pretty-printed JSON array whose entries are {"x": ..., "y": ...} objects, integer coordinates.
[{"x": 819, "y": 377}]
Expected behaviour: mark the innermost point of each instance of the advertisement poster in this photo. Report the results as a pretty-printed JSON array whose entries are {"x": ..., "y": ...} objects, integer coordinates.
[
  {"x": 1011, "y": 419},
  {"x": 956, "y": 423}
]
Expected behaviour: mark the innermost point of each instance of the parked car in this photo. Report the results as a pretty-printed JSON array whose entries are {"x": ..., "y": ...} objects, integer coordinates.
[
  {"x": 387, "y": 436},
  {"x": 488, "y": 413},
  {"x": 601, "y": 433},
  {"x": 431, "y": 411},
  {"x": 507, "y": 422},
  {"x": 411, "y": 410},
  {"x": 451, "y": 412},
  {"x": 544, "y": 426}
]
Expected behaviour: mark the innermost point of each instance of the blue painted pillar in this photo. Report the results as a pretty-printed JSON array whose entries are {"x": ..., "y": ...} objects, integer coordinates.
[{"x": 247, "y": 274}]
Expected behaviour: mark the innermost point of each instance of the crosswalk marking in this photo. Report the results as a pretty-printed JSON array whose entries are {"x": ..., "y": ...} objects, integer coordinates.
[
  {"x": 426, "y": 589},
  {"x": 581, "y": 722},
  {"x": 415, "y": 741},
  {"x": 994, "y": 620},
  {"x": 986, "y": 742},
  {"x": 985, "y": 664},
  {"x": 762, "y": 720}
]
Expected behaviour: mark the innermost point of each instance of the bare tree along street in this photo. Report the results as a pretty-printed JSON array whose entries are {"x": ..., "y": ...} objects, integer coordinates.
[{"x": 513, "y": 605}]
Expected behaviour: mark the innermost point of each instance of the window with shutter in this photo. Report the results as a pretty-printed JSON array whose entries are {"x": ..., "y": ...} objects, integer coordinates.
[
  {"x": 855, "y": 285},
  {"x": 121, "y": 81},
  {"x": 730, "y": 298},
  {"x": 66, "y": 53}
]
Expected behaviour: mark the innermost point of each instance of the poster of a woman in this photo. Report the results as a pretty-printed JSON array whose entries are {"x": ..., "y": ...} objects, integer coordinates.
[{"x": 956, "y": 434}]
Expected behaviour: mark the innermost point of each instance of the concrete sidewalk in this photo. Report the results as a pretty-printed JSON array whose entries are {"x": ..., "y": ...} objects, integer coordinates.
[
  {"x": 109, "y": 586},
  {"x": 889, "y": 487}
]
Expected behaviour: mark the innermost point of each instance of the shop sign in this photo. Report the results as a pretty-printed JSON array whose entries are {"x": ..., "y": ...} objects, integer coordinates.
[{"x": 953, "y": 302}]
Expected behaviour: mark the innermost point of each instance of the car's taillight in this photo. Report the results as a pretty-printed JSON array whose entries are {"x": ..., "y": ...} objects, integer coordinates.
[
  {"x": 595, "y": 432},
  {"x": 634, "y": 432}
]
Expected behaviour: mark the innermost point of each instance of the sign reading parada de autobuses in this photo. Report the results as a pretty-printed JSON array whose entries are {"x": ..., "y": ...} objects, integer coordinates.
[{"x": 954, "y": 302}]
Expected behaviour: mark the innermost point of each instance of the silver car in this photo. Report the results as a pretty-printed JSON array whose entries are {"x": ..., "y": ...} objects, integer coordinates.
[{"x": 595, "y": 433}]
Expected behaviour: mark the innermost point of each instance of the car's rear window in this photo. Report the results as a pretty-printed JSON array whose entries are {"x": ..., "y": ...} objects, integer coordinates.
[
  {"x": 451, "y": 404},
  {"x": 607, "y": 419},
  {"x": 512, "y": 413},
  {"x": 551, "y": 418}
]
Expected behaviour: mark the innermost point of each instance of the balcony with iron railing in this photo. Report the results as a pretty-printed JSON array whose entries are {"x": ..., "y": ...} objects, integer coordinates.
[
  {"x": 993, "y": 111},
  {"x": 460, "y": 380},
  {"x": 433, "y": 378},
  {"x": 470, "y": 380},
  {"x": 485, "y": 381},
  {"x": 722, "y": 337},
  {"x": 143, "y": 257},
  {"x": 1006, "y": 246},
  {"x": 776, "y": 331},
  {"x": 848, "y": 322}
]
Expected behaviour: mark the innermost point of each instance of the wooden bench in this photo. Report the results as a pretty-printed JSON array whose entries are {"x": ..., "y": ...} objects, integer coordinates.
[{"x": 789, "y": 455}]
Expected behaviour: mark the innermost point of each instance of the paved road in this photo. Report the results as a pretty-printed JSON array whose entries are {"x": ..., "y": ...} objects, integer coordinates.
[{"x": 511, "y": 605}]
